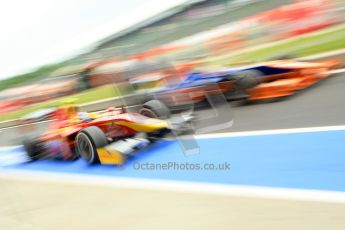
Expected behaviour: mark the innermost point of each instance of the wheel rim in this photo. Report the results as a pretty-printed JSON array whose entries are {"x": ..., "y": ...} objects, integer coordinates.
[
  {"x": 148, "y": 113},
  {"x": 85, "y": 147}
]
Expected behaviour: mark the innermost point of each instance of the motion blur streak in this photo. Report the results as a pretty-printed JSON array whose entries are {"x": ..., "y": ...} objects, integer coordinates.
[{"x": 123, "y": 90}]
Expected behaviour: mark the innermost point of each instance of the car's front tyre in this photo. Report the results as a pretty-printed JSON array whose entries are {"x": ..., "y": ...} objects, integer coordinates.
[{"x": 87, "y": 141}]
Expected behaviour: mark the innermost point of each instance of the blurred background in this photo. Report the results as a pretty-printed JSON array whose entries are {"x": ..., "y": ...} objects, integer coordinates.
[
  {"x": 153, "y": 42},
  {"x": 96, "y": 51}
]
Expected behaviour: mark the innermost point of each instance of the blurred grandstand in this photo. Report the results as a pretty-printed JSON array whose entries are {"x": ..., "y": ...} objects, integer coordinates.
[
  {"x": 173, "y": 40},
  {"x": 182, "y": 21},
  {"x": 167, "y": 32}
]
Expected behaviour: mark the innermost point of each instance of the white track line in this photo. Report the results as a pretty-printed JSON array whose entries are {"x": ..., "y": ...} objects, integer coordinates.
[
  {"x": 5, "y": 148},
  {"x": 271, "y": 132},
  {"x": 16, "y": 126},
  {"x": 335, "y": 71},
  {"x": 253, "y": 133},
  {"x": 177, "y": 186}
]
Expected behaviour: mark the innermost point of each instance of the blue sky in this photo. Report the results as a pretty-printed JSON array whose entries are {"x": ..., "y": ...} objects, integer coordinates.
[{"x": 37, "y": 32}]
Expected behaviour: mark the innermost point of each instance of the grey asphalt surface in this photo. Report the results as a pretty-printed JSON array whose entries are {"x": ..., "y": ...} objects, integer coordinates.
[{"x": 321, "y": 105}]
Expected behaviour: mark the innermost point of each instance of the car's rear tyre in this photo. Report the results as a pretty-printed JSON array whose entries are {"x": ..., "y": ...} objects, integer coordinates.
[
  {"x": 87, "y": 142},
  {"x": 32, "y": 148},
  {"x": 155, "y": 109},
  {"x": 247, "y": 79}
]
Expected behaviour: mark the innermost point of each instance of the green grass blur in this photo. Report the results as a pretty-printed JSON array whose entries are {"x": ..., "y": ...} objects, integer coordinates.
[{"x": 324, "y": 41}]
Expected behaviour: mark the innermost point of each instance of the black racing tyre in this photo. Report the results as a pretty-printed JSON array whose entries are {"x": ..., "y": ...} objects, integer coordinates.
[
  {"x": 247, "y": 79},
  {"x": 87, "y": 141},
  {"x": 32, "y": 148},
  {"x": 155, "y": 109}
]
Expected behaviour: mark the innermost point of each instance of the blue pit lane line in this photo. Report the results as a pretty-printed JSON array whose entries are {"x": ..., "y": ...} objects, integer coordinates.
[{"x": 300, "y": 160}]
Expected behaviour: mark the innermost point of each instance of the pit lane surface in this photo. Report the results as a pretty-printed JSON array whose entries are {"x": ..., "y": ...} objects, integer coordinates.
[
  {"x": 303, "y": 161},
  {"x": 312, "y": 160}
]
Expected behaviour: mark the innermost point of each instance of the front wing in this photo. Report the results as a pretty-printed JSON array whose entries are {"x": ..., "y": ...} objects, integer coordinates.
[{"x": 118, "y": 152}]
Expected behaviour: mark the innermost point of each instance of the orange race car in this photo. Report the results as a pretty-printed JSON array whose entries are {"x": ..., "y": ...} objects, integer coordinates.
[{"x": 270, "y": 80}]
